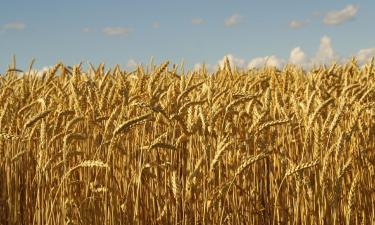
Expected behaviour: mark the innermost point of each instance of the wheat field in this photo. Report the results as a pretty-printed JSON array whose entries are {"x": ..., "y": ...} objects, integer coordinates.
[{"x": 160, "y": 145}]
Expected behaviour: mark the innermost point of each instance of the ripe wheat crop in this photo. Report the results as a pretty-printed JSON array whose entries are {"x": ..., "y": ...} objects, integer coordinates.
[{"x": 161, "y": 146}]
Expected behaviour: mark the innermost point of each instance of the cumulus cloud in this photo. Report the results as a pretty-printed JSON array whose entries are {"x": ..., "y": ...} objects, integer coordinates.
[
  {"x": 116, "y": 31},
  {"x": 233, "y": 20},
  {"x": 340, "y": 16},
  {"x": 197, "y": 21},
  {"x": 15, "y": 26},
  {"x": 325, "y": 54},
  {"x": 266, "y": 61},
  {"x": 296, "y": 24},
  {"x": 325, "y": 48},
  {"x": 233, "y": 60},
  {"x": 364, "y": 55},
  {"x": 297, "y": 56}
]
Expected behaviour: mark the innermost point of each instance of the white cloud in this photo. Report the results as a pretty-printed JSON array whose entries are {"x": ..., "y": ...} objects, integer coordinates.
[
  {"x": 197, "y": 21},
  {"x": 233, "y": 60},
  {"x": 364, "y": 55},
  {"x": 115, "y": 31},
  {"x": 325, "y": 48},
  {"x": 325, "y": 54},
  {"x": 266, "y": 61},
  {"x": 297, "y": 56},
  {"x": 257, "y": 62},
  {"x": 233, "y": 20},
  {"x": 131, "y": 64},
  {"x": 15, "y": 26},
  {"x": 341, "y": 16},
  {"x": 296, "y": 24},
  {"x": 156, "y": 24}
]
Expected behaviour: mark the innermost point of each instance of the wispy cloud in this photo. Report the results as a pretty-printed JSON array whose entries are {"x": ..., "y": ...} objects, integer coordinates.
[
  {"x": 116, "y": 31},
  {"x": 14, "y": 26},
  {"x": 340, "y": 16},
  {"x": 296, "y": 24},
  {"x": 197, "y": 21},
  {"x": 156, "y": 25},
  {"x": 233, "y": 20}
]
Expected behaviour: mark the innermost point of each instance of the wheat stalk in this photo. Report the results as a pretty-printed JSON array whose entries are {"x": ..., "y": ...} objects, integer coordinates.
[
  {"x": 36, "y": 118},
  {"x": 129, "y": 123}
]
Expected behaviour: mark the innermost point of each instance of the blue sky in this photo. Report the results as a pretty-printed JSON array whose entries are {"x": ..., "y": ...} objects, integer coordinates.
[{"x": 250, "y": 33}]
